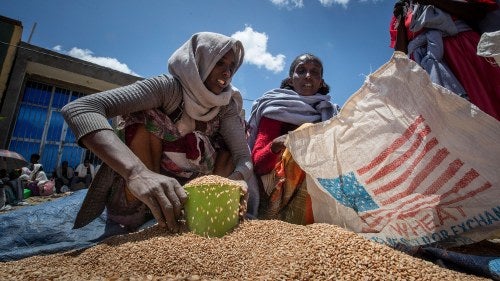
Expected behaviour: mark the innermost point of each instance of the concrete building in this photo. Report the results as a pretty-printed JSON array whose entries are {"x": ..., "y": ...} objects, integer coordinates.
[{"x": 35, "y": 83}]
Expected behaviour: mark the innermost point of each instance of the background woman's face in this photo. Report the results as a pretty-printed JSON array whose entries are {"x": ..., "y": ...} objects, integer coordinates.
[
  {"x": 220, "y": 76},
  {"x": 306, "y": 78}
]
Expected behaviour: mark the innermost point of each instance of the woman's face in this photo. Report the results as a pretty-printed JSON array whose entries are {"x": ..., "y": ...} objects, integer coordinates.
[
  {"x": 221, "y": 74},
  {"x": 306, "y": 78}
]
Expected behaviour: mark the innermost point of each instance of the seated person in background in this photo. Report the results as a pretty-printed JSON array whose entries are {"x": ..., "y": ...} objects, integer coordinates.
[
  {"x": 302, "y": 98},
  {"x": 63, "y": 176},
  {"x": 15, "y": 185},
  {"x": 34, "y": 158},
  {"x": 85, "y": 172},
  {"x": 18, "y": 188},
  {"x": 37, "y": 180},
  {"x": 4, "y": 206},
  {"x": 7, "y": 197}
]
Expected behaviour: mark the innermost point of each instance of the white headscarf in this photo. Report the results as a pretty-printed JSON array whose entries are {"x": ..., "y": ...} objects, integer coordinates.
[
  {"x": 38, "y": 174},
  {"x": 288, "y": 106},
  {"x": 192, "y": 63}
]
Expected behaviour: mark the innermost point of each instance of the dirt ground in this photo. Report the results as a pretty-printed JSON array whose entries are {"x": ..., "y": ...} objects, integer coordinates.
[{"x": 36, "y": 200}]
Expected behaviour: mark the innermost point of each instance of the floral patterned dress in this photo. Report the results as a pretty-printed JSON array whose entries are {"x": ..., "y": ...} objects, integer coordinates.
[{"x": 183, "y": 157}]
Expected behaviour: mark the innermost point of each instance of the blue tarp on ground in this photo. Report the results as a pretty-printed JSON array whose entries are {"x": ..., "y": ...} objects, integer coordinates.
[
  {"x": 488, "y": 266},
  {"x": 48, "y": 228}
]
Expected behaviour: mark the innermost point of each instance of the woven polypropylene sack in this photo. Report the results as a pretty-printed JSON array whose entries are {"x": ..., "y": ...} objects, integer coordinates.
[{"x": 406, "y": 162}]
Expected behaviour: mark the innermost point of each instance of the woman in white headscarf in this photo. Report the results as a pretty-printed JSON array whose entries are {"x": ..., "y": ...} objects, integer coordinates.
[
  {"x": 173, "y": 126},
  {"x": 38, "y": 175}
]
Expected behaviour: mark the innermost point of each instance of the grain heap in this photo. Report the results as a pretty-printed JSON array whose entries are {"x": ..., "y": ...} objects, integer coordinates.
[{"x": 265, "y": 250}]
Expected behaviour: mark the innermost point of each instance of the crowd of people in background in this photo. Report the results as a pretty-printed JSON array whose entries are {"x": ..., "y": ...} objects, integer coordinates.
[{"x": 32, "y": 180}]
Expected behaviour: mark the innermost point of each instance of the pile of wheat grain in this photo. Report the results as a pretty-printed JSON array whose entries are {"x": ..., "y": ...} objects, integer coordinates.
[{"x": 256, "y": 250}]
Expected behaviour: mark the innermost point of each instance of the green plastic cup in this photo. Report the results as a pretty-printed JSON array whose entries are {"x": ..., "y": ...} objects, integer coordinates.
[{"x": 212, "y": 207}]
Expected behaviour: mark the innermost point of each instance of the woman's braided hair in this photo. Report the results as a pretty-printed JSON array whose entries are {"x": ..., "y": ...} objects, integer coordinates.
[{"x": 324, "y": 89}]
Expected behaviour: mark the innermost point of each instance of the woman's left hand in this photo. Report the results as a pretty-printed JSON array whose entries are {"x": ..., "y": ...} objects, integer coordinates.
[
  {"x": 243, "y": 200},
  {"x": 164, "y": 196}
]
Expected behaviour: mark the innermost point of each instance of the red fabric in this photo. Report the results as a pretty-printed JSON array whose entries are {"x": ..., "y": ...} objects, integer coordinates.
[
  {"x": 479, "y": 77},
  {"x": 492, "y": 3},
  {"x": 263, "y": 159},
  {"x": 393, "y": 29},
  {"x": 309, "y": 215},
  {"x": 187, "y": 144},
  {"x": 130, "y": 133},
  {"x": 269, "y": 129}
]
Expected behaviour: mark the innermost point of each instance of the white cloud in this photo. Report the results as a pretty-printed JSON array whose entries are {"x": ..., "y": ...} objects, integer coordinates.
[
  {"x": 328, "y": 3},
  {"x": 255, "y": 44},
  {"x": 291, "y": 4},
  {"x": 88, "y": 55}
]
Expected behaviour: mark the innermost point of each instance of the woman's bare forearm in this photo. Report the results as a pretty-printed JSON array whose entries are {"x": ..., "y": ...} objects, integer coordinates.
[{"x": 110, "y": 149}]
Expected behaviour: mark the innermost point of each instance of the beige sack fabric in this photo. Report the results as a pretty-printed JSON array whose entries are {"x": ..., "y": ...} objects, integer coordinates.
[
  {"x": 406, "y": 162},
  {"x": 489, "y": 46}
]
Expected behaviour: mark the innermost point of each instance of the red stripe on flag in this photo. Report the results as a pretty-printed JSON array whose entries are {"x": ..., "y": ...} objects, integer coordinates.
[
  {"x": 445, "y": 177},
  {"x": 462, "y": 183},
  {"x": 407, "y": 213},
  {"x": 414, "y": 209},
  {"x": 409, "y": 203},
  {"x": 421, "y": 176},
  {"x": 395, "y": 145},
  {"x": 391, "y": 185},
  {"x": 381, "y": 215},
  {"x": 418, "y": 208},
  {"x": 401, "y": 159},
  {"x": 469, "y": 194},
  {"x": 399, "y": 207}
]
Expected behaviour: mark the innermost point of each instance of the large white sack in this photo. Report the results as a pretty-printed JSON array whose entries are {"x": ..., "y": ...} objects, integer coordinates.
[{"x": 405, "y": 163}]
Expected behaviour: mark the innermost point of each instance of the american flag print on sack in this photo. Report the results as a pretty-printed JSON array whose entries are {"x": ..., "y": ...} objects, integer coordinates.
[
  {"x": 405, "y": 162},
  {"x": 424, "y": 176}
]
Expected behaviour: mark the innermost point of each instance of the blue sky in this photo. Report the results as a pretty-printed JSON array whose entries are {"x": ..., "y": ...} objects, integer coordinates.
[{"x": 350, "y": 36}]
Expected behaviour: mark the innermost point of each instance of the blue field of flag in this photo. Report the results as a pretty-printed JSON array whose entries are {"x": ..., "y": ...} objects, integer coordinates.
[{"x": 349, "y": 192}]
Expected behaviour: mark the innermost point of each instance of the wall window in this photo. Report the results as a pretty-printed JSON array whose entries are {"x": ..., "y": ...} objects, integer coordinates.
[{"x": 40, "y": 127}]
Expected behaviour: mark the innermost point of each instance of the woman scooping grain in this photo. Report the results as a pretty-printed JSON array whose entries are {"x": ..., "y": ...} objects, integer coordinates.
[{"x": 173, "y": 128}]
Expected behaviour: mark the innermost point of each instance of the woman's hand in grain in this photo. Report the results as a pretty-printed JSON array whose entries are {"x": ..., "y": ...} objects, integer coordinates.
[
  {"x": 243, "y": 199},
  {"x": 164, "y": 196}
]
